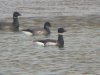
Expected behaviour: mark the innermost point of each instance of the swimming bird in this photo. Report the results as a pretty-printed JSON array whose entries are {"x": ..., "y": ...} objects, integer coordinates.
[
  {"x": 52, "y": 42},
  {"x": 14, "y": 26},
  {"x": 39, "y": 31}
]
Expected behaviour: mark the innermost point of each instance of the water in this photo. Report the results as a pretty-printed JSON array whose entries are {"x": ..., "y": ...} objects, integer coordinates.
[
  {"x": 48, "y": 8},
  {"x": 80, "y": 56},
  {"x": 81, "y": 53}
]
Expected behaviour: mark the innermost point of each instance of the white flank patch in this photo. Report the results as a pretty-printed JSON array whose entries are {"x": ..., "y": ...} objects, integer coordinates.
[
  {"x": 51, "y": 43},
  {"x": 27, "y": 33},
  {"x": 40, "y": 43}
]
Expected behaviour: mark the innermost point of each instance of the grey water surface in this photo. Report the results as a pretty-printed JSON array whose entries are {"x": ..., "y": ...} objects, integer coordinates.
[{"x": 81, "y": 53}]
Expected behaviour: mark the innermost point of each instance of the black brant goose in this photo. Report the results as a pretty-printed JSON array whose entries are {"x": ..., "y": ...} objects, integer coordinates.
[
  {"x": 14, "y": 26},
  {"x": 52, "y": 42},
  {"x": 39, "y": 31}
]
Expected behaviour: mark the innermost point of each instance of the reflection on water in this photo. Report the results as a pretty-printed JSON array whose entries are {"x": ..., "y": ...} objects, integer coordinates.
[{"x": 80, "y": 56}]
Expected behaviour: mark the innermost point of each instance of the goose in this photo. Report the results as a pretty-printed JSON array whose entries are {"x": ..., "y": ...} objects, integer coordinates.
[
  {"x": 39, "y": 31},
  {"x": 52, "y": 42},
  {"x": 14, "y": 26}
]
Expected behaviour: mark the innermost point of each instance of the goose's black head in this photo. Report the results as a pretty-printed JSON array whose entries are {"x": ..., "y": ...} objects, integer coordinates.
[
  {"x": 61, "y": 30},
  {"x": 47, "y": 24},
  {"x": 16, "y": 14},
  {"x": 46, "y": 27}
]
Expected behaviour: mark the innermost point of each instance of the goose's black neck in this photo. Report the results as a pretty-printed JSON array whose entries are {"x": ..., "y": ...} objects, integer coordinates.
[
  {"x": 60, "y": 40},
  {"x": 16, "y": 23},
  {"x": 47, "y": 29}
]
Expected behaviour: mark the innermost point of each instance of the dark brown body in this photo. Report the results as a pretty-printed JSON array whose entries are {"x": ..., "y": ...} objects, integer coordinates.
[{"x": 6, "y": 27}]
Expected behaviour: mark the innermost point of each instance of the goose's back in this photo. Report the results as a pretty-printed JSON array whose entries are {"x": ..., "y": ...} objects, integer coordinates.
[
  {"x": 49, "y": 42},
  {"x": 6, "y": 26},
  {"x": 39, "y": 31}
]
